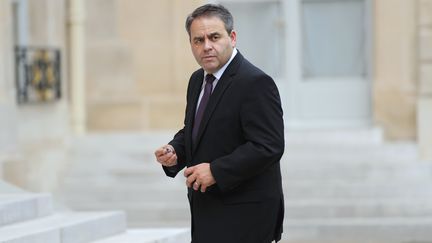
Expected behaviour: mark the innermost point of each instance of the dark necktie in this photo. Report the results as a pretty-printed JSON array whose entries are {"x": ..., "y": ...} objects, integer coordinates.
[{"x": 202, "y": 105}]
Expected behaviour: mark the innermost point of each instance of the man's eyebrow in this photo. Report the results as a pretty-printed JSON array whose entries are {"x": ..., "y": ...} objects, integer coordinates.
[
  {"x": 200, "y": 37},
  {"x": 213, "y": 34}
]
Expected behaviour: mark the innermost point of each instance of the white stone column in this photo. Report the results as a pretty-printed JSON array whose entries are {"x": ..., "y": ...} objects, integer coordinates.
[
  {"x": 77, "y": 65},
  {"x": 424, "y": 104}
]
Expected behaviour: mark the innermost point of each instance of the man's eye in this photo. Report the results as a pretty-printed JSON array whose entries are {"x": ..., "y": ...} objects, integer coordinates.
[{"x": 215, "y": 37}]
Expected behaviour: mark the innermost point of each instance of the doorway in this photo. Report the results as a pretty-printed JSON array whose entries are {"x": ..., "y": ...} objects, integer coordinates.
[{"x": 318, "y": 52}]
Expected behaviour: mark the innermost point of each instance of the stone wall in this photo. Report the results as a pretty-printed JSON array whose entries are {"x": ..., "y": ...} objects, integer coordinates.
[
  {"x": 39, "y": 130},
  {"x": 138, "y": 63},
  {"x": 139, "y": 60},
  {"x": 8, "y": 116},
  {"x": 395, "y": 68}
]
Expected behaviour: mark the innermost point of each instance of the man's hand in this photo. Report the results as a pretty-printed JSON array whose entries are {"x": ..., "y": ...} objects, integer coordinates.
[
  {"x": 199, "y": 175},
  {"x": 166, "y": 155}
]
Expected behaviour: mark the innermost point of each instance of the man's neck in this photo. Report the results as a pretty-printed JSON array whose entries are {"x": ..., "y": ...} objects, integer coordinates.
[{"x": 218, "y": 73}]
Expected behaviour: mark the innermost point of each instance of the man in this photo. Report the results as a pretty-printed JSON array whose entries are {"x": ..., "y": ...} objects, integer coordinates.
[{"x": 232, "y": 140}]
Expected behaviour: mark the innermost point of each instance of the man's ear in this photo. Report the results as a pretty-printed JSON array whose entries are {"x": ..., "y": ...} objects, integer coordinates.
[{"x": 233, "y": 36}]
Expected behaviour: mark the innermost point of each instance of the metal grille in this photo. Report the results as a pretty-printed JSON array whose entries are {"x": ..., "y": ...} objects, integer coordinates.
[{"x": 37, "y": 73}]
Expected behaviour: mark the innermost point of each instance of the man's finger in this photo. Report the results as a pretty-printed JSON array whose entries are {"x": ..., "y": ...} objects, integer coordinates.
[
  {"x": 171, "y": 160},
  {"x": 196, "y": 186},
  {"x": 168, "y": 149},
  {"x": 159, "y": 152},
  {"x": 163, "y": 158},
  {"x": 191, "y": 179},
  {"x": 203, "y": 187},
  {"x": 189, "y": 171}
]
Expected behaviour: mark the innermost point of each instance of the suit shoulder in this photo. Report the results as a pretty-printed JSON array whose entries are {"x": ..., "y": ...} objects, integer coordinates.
[
  {"x": 254, "y": 81},
  {"x": 249, "y": 73},
  {"x": 247, "y": 69},
  {"x": 196, "y": 74}
]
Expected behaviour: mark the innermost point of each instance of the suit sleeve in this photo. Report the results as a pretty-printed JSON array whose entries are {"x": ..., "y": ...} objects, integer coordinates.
[
  {"x": 178, "y": 141},
  {"x": 263, "y": 130},
  {"x": 178, "y": 144}
]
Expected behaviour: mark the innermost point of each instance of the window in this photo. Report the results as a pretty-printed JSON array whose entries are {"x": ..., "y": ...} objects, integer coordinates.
[
  {"x": 260, "y": 33},
  {"x": 333, "y": 38}
]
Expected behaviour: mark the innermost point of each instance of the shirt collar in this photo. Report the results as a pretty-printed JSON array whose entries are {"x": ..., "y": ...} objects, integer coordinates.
[{"x": 218, "y": 73}]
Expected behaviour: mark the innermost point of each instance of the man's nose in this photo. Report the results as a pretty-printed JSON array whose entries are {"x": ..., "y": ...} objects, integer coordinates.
[{"x": 207, "y": 44}]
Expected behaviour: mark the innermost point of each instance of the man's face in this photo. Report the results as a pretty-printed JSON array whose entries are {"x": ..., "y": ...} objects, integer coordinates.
[{"x": 211, "y": 45}]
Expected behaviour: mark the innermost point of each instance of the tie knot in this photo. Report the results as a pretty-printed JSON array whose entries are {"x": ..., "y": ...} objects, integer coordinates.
[{"x": 209, "y": 78}]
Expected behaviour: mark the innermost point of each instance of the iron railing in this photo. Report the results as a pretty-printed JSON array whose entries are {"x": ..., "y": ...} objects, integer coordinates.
[{"x": 37, "y": 72}]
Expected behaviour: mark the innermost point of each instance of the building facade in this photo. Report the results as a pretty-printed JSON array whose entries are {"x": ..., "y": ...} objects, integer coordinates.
[
  {"x": 338, "y": 64},
  {"x": 33, "y": 92}
]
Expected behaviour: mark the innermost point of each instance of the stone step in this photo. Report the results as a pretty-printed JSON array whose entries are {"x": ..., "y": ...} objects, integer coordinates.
[
  {"x": 153, "y": 181},
  {"x": 114, "y": 178},
  {"x": 343, "y": 189},
  {"x": 139, "y": 170},
  {"x": 358, "y": 172},
  {"x": 125, "y": 191},
  {"x": 323, "y": 154},
  {"x": 349, "y": 173},
  {"x": 111, "y": 164},
  {"x": 321, "y": 159},
  {"x": 292, "y": 189},
  {"x": 18, "y": 207},
  {"x": 65, "y": 228},
  {"x": 149, "y": 141},
  {"x": 137, "y": 222},
  {"x": 294, "y": 154},
  {"x": 316, "y": 163},
  {"x": 371, "y": 155},
  {"x": 179, "y": 210},
  {"x": 148, "y": 211},
  {"x": 334, "y": 136},
  {"x": 122, "y": 142},
  {"x": 165, "y": 235},
  {"x": 138, "y": 144},
  {"x": 73, "y": 200},
  {"x": 154, "y": 215},
  {"x": 358, "y": 230},
  {"x": 354, "y": 208}
]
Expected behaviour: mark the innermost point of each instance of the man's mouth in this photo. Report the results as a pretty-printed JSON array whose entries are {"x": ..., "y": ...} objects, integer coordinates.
[{"x": 208, "y": 57}]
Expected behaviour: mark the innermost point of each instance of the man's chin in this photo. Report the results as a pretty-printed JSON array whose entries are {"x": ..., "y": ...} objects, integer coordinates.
[{"x": 210, "y": 67}]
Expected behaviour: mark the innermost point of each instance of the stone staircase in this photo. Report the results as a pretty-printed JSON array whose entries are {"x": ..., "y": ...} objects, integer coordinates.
[
  {"x": 109, "y": 172},
  {"x": 340, "y": 186},
  {"x": 32, "y": 218},
  {"x": 356, "y": 190}
]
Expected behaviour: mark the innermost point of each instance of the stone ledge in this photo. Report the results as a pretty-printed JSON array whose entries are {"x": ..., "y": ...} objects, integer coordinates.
[
  {"x": 358, "y": 230},
  {"x": 20, "y": 207},
  {"x": 65, "y": 228},
  {"x": 161, "y": 235}
]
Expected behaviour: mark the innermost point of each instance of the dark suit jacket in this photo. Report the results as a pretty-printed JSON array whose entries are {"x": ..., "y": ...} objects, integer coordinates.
[{"x": 242, "y": 136}]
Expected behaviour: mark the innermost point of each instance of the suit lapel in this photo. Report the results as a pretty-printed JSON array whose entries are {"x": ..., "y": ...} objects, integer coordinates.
[{"x": 222, "y": 85}]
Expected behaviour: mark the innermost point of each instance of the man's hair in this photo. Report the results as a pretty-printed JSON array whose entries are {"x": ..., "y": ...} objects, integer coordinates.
[{"x": 211, "y": 10}]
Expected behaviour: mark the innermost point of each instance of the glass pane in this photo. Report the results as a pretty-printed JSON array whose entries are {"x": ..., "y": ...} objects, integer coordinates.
[
  {"x": 334, "y": 38},
  {"x": 260, "y": 34}
]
